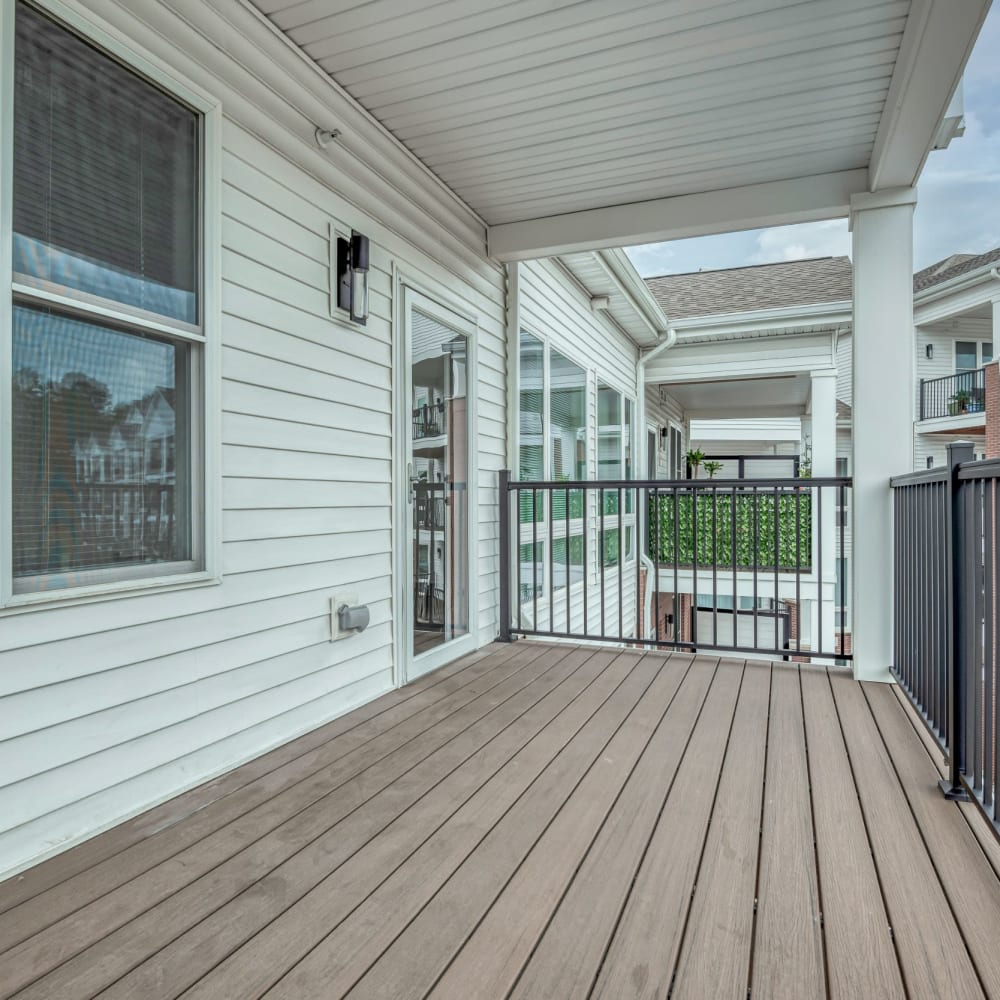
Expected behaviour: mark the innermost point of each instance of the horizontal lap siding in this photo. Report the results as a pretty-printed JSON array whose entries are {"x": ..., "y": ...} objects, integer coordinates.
[{"x": 112, "y": 706}]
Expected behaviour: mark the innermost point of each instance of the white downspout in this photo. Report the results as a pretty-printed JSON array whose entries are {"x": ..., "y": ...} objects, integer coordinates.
[{"x": 664, "y": 345}]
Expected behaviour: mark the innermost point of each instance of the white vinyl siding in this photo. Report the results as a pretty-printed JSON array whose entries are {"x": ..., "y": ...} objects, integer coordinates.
[{"x": 111, "y": 706}]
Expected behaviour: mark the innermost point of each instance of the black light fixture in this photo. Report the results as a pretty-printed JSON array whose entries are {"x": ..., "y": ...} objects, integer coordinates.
[
  {"x": 929, "y": 351},
  {"x": 352, "y": 276}
]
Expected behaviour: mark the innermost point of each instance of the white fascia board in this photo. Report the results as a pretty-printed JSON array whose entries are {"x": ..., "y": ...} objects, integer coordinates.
[
  {"x": 622, "y": 271},
  {"x": 956, "y": 296},
  {"x": 822, "y": 316},
  {"x": 937, "y": 41},
  {"x": 752, "y": 206}
]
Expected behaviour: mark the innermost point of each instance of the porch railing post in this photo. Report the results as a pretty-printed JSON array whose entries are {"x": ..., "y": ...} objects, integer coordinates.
[
  {"x": 955, "y": 618},
  {"x": 504, "y": 556}
]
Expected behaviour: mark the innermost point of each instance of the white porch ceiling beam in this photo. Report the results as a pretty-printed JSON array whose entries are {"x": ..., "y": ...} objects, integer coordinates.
[
  {"x": 937, "y": 40},
  {"x": 753, "y": 206}
]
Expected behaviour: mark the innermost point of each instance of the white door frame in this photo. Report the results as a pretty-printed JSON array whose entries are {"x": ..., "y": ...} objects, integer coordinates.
[{"x": 410, "y": 295}]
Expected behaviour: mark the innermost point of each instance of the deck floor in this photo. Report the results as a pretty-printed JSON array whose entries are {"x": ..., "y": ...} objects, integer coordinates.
[{"x": 542, "y": 821}]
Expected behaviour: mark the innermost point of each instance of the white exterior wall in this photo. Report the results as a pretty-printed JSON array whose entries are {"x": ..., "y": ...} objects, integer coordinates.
[
  {"x": 664, "y": 410},
  {"x": 553, "y": 308},
  {"x": 111, "y": 706}
]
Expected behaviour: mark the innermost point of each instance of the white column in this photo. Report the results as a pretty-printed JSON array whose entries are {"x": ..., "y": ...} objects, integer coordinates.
[
  {"x": 882, "y": 231},
  {"x": 823, "y": 414}
]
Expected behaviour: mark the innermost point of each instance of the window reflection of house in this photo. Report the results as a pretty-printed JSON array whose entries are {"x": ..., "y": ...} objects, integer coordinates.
[{"x": 125, "y": 483}]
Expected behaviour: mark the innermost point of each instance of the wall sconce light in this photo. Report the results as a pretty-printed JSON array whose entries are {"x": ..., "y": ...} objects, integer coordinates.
[
  {"x": 929, "y": 351},
  {"x": 663, "y": 433},
  {"x": 352, "y": 276}
]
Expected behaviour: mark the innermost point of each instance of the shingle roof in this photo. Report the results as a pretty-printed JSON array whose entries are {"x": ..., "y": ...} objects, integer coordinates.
[
  {"x": 746, "y": 289},
  {"x": 786, "y": 284},
  {"x": 952, "y": 267}
]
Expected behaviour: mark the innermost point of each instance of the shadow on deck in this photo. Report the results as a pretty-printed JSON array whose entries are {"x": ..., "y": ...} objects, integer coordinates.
[{"x": 543, "y": 821}]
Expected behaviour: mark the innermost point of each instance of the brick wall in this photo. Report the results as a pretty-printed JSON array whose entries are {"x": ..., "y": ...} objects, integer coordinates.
[{"x": 993, "y": 410}]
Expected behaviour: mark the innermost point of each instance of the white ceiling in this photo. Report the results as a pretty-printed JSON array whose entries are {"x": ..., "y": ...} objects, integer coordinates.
[
  {"x": 744, "y": 397},
  {"x": 530, "y": 109}
]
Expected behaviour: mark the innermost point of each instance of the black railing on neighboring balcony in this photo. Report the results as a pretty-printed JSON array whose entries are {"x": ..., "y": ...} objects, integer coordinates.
[
  {"x": 946, "y": 615},
  {"x": 953, "y": 395},
  {"x": 428, "y": 421},
  {"x": 731, "y": 565}
]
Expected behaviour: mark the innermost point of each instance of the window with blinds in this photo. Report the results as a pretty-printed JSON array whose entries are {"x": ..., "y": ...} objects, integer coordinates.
[
  {"x": 105, "y": 176},
  {"x": 106, "y": 213}
]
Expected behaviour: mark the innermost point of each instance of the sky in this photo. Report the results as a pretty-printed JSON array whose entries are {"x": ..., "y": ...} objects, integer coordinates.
[{"x": 958, "y": 207}]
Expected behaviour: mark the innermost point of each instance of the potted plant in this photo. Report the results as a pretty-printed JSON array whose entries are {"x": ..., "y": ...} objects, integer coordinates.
[
  {"x": 959, "y": 402},
  {"x": 694, "y": 458},
  {"x": 712, "y": 468}
]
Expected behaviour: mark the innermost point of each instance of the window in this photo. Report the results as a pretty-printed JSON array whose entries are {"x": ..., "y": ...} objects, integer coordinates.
[
  {"x": 972, "y": 354},
  {"x": 107, "y": 333},
  {"x": 614, "y": 461},
  {"x": 676, "y": 457}
]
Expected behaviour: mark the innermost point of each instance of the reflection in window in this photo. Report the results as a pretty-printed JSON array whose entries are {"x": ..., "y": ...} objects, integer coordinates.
[
  {"x": 532, "y": 437},
  {"x": 98, "y": 434},
  {"x": 568, "y": 415}
]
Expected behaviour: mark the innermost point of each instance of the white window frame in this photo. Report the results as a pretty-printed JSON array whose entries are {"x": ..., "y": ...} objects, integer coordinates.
[
  {"x": 628, "y": 519},
  {"x": 978, "y": 341},
  {"x": 546, "y": 534},
  {"x": 205, "y": 418}
]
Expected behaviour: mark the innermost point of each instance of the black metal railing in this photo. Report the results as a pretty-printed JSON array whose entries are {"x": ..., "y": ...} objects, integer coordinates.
[
  {"x": 731, "y": 565},
  {"x": 946, "y": 615},
  {"x": 953, "y": 395},
  {"x": 428, "y": 421}
]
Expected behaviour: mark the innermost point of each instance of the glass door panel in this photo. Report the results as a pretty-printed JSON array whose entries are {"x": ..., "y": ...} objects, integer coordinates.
[{"x": 438, "y": 468}]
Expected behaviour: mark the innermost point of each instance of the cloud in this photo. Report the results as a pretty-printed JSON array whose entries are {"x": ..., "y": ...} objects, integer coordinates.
[{"x": 808, "y": 239}]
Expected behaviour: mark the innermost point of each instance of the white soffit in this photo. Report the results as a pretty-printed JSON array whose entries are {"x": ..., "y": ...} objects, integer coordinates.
[{"x": 533, "y": 109}]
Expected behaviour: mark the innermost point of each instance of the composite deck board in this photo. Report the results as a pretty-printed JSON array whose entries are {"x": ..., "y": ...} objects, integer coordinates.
[
  {"x": 788, "y": 952},
  {"x": 860, "y": 957},
  {"x": 932, "y": 952},
  {"x": 142, "y": 831},
  {"x": 543, "y": 820},
  {"x": 643, "y": 951},
  {"x": 716, "y": 951},
  {"x": 968, "y": 879},
  {"x": 296, "y": 855},
  {"x": 60, "y": 941},
  {"x": 248, "y": 803}
]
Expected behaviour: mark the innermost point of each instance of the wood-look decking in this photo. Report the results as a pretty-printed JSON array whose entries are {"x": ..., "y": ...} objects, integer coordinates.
[{"x": 543, "y": 821}]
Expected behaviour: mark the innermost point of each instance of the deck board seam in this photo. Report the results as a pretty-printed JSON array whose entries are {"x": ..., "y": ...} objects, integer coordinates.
[
  {"x": 760, "y": 832},
  {"x": 486, "y": 674},
  {"x": 815, "y": 844},
  {"x": 875, "y": 862},
  {"x": 708, "y": 826},
  {"x": 583, "y": 856},
  {"x": 347, "y": 916}
]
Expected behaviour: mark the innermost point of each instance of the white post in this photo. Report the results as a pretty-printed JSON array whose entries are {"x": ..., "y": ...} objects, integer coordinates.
[
  {"x": 823, "y": 414},
  {"x": 882, "y": 231}
]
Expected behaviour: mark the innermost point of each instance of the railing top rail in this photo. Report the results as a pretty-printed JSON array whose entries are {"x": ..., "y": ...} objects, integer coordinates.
[
  {"x": 938, "y": 475},
  {"x": 678, "y": 484},
  {"x": 987, "y": 469}
]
